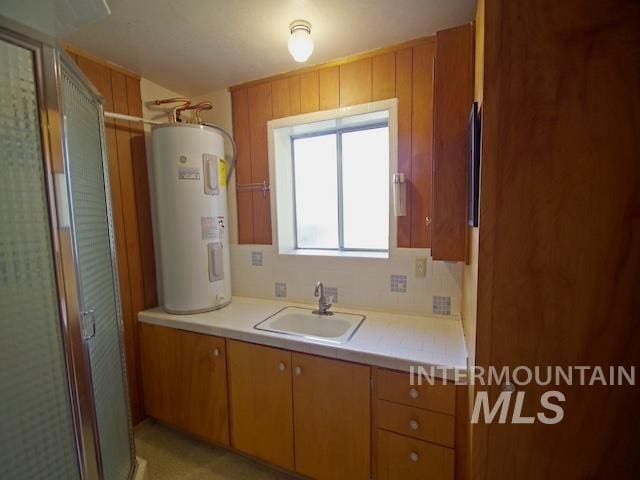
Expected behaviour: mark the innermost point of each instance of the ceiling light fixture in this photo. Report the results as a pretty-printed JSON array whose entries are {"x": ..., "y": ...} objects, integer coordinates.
[{"x": 300, "y": 42}]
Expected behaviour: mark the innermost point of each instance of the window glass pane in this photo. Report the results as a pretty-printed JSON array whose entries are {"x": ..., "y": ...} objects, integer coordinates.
[
  {"x": 365, "y": 180},
  {"x": 316, "y": 191}
]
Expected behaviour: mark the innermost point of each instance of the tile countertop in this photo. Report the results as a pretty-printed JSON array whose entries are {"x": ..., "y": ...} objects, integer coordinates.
[{"x": 389, "y": 340}]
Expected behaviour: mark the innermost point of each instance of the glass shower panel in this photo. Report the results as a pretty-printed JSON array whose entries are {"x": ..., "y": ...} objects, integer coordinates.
[
  {"x": 98, "y": 286},
  {"x": 38, "y": 439}
]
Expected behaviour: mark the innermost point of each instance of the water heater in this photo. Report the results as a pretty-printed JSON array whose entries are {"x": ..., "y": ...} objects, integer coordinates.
[{"x": 190, "y": 182}]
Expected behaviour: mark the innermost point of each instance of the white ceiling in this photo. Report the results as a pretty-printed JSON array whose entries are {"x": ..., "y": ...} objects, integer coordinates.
[{"x": 198, "y": 46}]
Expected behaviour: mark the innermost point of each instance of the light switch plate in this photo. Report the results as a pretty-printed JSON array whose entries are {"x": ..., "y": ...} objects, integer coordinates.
[{"x": 421, "y": 267}]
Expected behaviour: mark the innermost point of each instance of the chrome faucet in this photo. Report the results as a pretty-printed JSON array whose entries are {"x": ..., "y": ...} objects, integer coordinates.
[{"x": 323, "y": 306}]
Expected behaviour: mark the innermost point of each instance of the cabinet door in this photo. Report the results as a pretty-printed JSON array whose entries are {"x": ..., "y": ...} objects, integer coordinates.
[
  {"x": 452, "y": 103},
  {"x": 261, "y": 402},
  {"x": 332, "y": 406},
  {"x": 185, "y": 380}
]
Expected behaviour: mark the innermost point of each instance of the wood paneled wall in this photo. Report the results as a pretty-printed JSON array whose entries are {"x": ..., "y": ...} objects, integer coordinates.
[
  {"x": 559, "y": 234},
  {"x": 404, "y": 71},
  {"x": 131, "y": 208}
]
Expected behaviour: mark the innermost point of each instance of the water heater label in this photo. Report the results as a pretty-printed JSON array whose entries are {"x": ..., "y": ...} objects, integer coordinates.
[
  {"x": 208, "y": 227},
  {"x": 188, "y": 173},
  {"x": 222, "y": 172},
  {"x": 212, "y": 228}
]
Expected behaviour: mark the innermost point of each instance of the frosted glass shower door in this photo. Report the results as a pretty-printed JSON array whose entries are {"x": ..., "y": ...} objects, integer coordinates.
[
  {"x": 37, "y": 437},
  {"x": 99, "y": 298}
]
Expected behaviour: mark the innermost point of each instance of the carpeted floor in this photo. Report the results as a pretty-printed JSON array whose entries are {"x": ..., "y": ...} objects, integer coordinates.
[{"x": 174, "y": 456}]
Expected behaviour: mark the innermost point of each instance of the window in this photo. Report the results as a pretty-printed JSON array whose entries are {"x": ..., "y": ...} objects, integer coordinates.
[
  {"x": 330, "y": 174},
  {"x": 341, "y": 187}
]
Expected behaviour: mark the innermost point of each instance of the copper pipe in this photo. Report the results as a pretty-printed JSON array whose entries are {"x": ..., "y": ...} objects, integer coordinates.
[
  {"x": 198, "y": 108},
  {"x": 174, "y": 116}
]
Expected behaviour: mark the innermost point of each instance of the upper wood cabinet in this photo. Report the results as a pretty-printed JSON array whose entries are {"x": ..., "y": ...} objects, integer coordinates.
[
  {"x": 184, "y": 378},
  {"x": 453, "y": 96},
  {"x": 261, "y": 402},
  {"x": 332, "y": 419}
]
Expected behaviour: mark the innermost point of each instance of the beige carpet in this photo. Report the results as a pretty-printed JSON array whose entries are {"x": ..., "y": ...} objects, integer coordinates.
[{"x": 174, "y": 456}]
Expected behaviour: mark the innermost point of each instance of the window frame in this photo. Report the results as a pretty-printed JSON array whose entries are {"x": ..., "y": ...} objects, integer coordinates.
[{"x": 338, "y": 132}]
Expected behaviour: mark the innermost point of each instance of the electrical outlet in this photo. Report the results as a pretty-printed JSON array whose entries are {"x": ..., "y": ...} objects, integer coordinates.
[
  {"x": 421, "y": 267},
  {"x": 281, "y": 290}
]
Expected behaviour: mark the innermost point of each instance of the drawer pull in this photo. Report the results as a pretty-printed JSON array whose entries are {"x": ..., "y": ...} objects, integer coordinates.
[
  {"x": 281, "y": 366},
  {"x": 298, "y": 370},
  {"x": 413, "y": 425},
  {"x": 216, "y": 352},
  {"x": 414, "y": 457},
  {"x": 413, "y": 393}
]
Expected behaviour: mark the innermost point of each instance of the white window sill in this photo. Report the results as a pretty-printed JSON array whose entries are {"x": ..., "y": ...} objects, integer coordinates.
[{"x": 335, "y": 253}]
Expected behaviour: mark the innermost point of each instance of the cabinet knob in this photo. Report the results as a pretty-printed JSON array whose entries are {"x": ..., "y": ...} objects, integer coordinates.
[
  {"x": 414, "y": 457},
  {"x": 298, "y": 370},
  {"x": 413, "y": 393},
  {"x": 413, "y": 425},
  {"x": 216, "y": 352},
  {"x": 281, "y": 366}
]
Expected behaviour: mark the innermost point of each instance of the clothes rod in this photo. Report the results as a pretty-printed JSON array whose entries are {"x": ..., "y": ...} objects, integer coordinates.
[{"x": 120, "y": 116}]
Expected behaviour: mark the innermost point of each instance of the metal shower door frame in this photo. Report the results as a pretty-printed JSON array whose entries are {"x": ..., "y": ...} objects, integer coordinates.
[
  {"x": 47, "y": 65},
  {"x": 61, "y": 59}
]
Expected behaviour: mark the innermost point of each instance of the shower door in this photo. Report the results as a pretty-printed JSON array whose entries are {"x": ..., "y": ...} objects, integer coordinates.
[
  {"x": 98, "y": 291},
  {"x": 37, "y": 428}
]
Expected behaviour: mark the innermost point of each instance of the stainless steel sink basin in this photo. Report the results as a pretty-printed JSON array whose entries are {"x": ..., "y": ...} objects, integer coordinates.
[{"x": 302, "y": 322}]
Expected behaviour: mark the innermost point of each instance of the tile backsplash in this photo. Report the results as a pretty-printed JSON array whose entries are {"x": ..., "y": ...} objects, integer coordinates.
[{"x": 374, "y": 283}]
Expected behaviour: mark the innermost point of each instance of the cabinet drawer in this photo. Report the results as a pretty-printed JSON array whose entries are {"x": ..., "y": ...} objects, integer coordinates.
[
  {"x": 395, "y": 387},
  {"x": 402, "y": 458},
  {"x": 422, "y": 424}
]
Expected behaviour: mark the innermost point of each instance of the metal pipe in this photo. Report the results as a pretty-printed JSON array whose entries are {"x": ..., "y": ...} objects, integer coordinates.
[
  {"x": 174, "y": 116},
  {"x": 234, "y": 147}
]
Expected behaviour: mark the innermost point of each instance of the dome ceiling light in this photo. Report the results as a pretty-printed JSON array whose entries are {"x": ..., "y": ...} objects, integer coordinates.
[{"x": 300, "y": 42}]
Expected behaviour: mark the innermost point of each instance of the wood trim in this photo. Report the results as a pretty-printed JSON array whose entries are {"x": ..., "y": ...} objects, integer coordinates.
[
  {"x": 355, "y": 82},
  {"x": 130, "y": 203},
  {"x": 309, "y": 92},
  {"x": 329, "y": 88},
  {"x": 383, "y": 76},
  {"x": 404, "y": 93},
  {"x": 261, "y": 111},
  {"x": 244, "y": 198},
  {"x": 76, "y": 53},
  {"x": 422, "y": 144},
  {"x": 339, "y": 61}
]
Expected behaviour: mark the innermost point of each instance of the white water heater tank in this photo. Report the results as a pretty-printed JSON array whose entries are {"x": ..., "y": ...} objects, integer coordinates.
[{"x": 190, "y": 182}]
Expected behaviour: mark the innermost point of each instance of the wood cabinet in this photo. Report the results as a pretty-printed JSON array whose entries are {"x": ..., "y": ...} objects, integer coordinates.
[
  {"x": 453, "y": 95},
  {"x": 415, "y": 428},
  {"x": 332, "y": 418},
  {"x": 404, "y": 458},
  {"x": 325, "y": 406},
  {"x": 261, "y": 402},
  {"x": 184, "y": 378},
  {"x": 303, "y": 413}
]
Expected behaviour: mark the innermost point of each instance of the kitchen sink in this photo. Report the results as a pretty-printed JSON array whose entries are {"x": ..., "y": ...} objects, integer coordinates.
[{"x": 302, "y": 322}]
